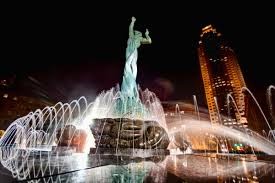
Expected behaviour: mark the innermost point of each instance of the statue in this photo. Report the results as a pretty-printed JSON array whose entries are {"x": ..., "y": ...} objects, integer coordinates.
[
  {"x": 129, "y": 86},
  {"x": 130, "y": 127}
]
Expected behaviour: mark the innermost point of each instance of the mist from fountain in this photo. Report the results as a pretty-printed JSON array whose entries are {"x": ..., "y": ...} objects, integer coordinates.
[
  {"x": 105, "y": 106},
  {"x": 195, "y": 127}
]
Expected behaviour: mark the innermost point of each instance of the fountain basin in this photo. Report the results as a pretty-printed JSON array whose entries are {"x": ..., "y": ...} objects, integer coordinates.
[{"x": 129, "y": 133}]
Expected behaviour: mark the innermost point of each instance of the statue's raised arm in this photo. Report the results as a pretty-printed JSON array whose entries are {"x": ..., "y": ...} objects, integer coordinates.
[
  {"x": 146, "y": 40},
  {"x": 131, "y": 27}
]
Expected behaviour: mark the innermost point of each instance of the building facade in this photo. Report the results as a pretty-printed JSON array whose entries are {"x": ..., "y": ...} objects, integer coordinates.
[
  {"x": 221, "y": 76},
  {"x": 15, "y": 103}
]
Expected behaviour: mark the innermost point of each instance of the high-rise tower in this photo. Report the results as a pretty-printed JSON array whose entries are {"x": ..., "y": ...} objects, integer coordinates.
[{"x": 221, "y": 75}]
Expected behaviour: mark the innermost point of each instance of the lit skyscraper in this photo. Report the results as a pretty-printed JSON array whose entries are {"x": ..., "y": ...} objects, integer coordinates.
[{"x": 221, "y": 75}]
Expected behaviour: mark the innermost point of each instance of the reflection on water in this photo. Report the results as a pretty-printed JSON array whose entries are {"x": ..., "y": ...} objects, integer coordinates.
[
  {"x": 197, "y": 168},
  {"x": 112, "y": 169},
  {"x": 121, "y": 169}
]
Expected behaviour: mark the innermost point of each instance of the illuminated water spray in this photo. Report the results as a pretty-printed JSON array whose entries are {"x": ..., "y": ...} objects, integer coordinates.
[
  {"x": 271, "y": 107},
  {"x": 45, "y": 142}
]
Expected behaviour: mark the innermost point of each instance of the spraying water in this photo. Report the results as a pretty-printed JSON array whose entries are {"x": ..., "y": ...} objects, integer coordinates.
[
  {"x": 269, "y": 101},
  {"x": 257, "y": 103},
  {"x": 195, "y": 127}
]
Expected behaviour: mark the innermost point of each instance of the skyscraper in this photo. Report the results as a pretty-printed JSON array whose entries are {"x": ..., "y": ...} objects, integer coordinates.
[{"x": 221, "y": 75}]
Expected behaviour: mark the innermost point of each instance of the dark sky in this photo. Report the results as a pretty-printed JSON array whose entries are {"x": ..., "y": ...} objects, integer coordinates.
[{"x": 81, "y": 50}]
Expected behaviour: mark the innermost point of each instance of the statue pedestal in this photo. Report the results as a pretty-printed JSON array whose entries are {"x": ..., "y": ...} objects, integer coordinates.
[
  {"x": 117, "y": 133},
  {"x": 71, "y": 137}
]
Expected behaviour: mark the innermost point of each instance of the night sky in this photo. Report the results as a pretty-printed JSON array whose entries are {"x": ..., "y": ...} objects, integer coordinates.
[{"x": 81, "y": 50}]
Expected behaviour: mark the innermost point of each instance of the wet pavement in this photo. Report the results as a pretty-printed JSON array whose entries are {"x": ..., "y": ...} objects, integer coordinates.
[{"x": 80, "y": 168}]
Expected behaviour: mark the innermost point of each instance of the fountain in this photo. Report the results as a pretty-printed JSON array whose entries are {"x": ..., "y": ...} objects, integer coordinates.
[
  {"x": 125, "y": 121},
  {"x": 123, "y": 134},
  {"x": 130, "y": 117}
]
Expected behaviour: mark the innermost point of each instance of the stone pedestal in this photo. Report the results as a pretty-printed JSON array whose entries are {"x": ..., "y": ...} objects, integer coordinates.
[
  {"x": 128, "y": 133},
  {"x": 72, "y": 137}
]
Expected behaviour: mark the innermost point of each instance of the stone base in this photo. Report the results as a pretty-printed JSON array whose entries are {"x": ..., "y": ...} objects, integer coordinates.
[
  {"x": 128, "y": 133},
  {"x": 142, "y": 153}
]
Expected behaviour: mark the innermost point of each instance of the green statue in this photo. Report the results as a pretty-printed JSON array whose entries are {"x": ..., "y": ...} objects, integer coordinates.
[{"x": 129, "y": 86}]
